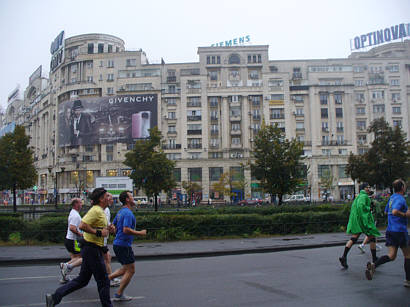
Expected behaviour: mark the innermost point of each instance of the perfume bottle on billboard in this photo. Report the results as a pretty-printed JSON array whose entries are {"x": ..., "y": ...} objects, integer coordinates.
[{"x": 141, "y": 123}]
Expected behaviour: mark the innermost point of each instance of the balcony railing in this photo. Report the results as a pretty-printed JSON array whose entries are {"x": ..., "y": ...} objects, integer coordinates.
[
  {"x": 194, "y": 146},
  {"x": 194, "y": 117},
  {"x": 171, "y": 146},
  {"x": 196, "y": 131}
]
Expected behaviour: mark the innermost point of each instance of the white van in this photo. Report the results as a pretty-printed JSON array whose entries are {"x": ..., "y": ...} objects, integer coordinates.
[{"x": 295, "y": 198}]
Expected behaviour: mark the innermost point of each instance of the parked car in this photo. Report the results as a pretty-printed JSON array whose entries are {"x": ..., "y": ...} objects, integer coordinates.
[
  {"x": 250, "y": 202},
  {"x": 296, "y": 198}
]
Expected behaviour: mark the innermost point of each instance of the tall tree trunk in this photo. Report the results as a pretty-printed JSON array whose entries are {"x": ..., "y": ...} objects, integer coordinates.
[
  {"x": 14, "y": 198},
  {"x": 156, "y": 203},
  {"x": 280, "y": 199}
]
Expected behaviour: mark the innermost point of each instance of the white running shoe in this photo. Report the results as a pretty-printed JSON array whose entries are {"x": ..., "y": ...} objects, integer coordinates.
[
  {"x": 115, "y": 282},
  {"x": 121, "y": 298},
  {"x": 361, "y": 247}
]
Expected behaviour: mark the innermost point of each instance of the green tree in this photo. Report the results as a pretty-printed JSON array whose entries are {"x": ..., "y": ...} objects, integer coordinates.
[
  {"x": 386, "y": 160},
  {"x": 277, "y": 162},
  {"x": 151, "y": 170},
  {"x": 327, "y": 182},
  {"x": 17, "y": 169},
  {"x": 230, "y": 181}
]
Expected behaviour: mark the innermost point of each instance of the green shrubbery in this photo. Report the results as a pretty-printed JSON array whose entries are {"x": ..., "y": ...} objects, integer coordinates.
[{"x": 198, "y": 223}]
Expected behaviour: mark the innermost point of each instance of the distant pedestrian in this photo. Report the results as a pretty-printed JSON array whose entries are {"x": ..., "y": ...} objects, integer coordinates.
[
  {"x": 396, "y": 232},
  {"x": 94, "y": 225},
  {"x": 72, "y": 239},
  {"x": 124, "y": 223},
  {"x": 361, "y": 221}
]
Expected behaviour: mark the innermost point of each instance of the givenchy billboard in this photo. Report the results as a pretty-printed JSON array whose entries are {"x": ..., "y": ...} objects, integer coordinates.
[{"x": 104, "y": 120}]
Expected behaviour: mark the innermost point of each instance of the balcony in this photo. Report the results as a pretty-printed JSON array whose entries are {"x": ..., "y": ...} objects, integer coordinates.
[
  {"x": 171, "y": 146},
  {"x": 194, "y": 146},
  {"x": 214, "y": 118},
  {"x": 194, "y": 117},
  {"x": 256, "y": 117},
  {"x": 236, "y": 145},
  {"x": 193, "y": 91},
  {"x": 195, "y": 132},
  {"x": 277, "y": 116},
  {"x": 340, "y": 129},
  {"x": 214, "y": 132},
  {"x": 236, "y": 132},
  {"x": 175, "y": 91},
  {"x": 172, "y": 79},
  {"x": 234, "y": 117},
  {"x": 334, "y": 143}
]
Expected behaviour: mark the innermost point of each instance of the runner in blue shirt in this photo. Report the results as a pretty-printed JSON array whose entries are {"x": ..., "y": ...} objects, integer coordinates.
[
  {"x": 396, "y": 232},
  {"x": 124, "y": 223}
]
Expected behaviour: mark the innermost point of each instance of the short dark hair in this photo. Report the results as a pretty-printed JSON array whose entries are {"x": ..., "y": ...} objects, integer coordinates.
[
  {"x": 398, "y": 185},
  {"x": 96, "y": 195},
  {"x": 123, "y": 196},
  {"x": 363, "y": 186},
  {"x": 75, "y": 201}
]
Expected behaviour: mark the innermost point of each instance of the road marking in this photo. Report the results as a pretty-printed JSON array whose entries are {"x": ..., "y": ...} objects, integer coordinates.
[
  {"x": 27, "y": 277},
  {"x": 96, "y": 300}
]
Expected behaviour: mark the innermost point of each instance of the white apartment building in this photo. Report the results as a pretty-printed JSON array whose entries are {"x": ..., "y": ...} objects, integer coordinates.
[{"x": 208, "y": 111}]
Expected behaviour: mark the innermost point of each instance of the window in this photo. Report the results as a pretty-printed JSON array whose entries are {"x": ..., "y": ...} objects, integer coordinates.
[
  {"x": 111, "y": 172},
  {"x": 234, "y": 59},
  {"x": 172, "y": 129},
  {"x": 360, "y": 111},
  {"x": 358, "y": 68},
  {"x": 393, "y": 68},
  {"x": 300, "y": 126},
  {"x": 362, "y": 139},
  {"x": 194, "y": 143},
  {"x": 194, "y": 102},
  {"x": 172, "y": 115},
  {"x": 74, "y": 68},
  {"x": 341, "y": 170},
  {"x": 214, "y": 143},
  {"x": 324, "y": 113},
  {"x": 340, "y": 139},
  {"x": 277, "y": 113},
  {"x": 173, "y": 156},
  {"x": 109, "y": 48},
  {"x": 325, "y": 140},
  {"x": 235, "y": 112},
  {"x": 109, "y": 156},
  {"x": 397, "y": 123},
  {"x": 195, "y": 174},
  {"x": 101, "y": 63},
  {"x": 343, "y": 151},
  {"x": 194, "y": 84},
  {"x": 110, "y": 64},
  {"x": 396, "y": 110},
  {"x": 323, "y": 170},
  {"x": 90, "y": 48},
  {"x": 100, "y": 48},
  {"x": 214, "y": 115},
  {"x": 339, "y": 113},
  {"x": 339, "y": 126},
  {"x": 325, "y": 127},
  {"x": 326, "y": 152},
  {"x": 215, "y": 173},
  {"x": 171, "y": 101},
  {"x": 213, "y": 75},
  {"x": 90, "y": 64},
  {"x": 361, "y": 125},
  {"x": 254, "y": 74},
  {"x": 359, "y": 97},
  {"x": 323, "y": 98},
  {"x": 378, "y": 94},
  {"x": 213, "y": 101},
  {"x": 338, "y": 98},
  {"x": 237, "y": 173},
  {"x": 131, "y": 62},
  {"x": 378, "y": 108},
  {"x": 213, "y": 59},
  {"x": 395, "y": 82},
  {"x": 110, "y": 90},
  {"x": 89, "y": 78},
  {"x": 89, "y": 148},
  {"x": 358, "y": 82},
  {"x": 236, "y": 127},
  {"x": 395, "y": 97},
  {"x": 236, "y": 141}
]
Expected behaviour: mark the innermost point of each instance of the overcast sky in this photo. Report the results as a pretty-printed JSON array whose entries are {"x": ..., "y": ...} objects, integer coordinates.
[{"x": 173, "y": 29}]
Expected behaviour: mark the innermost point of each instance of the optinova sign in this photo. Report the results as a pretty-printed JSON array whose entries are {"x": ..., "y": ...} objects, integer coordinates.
[{"x": 381, "y": 36}]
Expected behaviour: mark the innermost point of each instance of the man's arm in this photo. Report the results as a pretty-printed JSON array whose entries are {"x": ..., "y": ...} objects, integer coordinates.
[
  {"x": 87, "y": 228},
  {"x": 74, "y": 229},
  {"x": 398, "y": 213},
  {"x": 130, "y": 231}
]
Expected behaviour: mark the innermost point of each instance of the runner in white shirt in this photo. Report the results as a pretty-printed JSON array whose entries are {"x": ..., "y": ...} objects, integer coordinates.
[
  {"x": 107, "y": 256},
  {"x": 72, "y": 238}
]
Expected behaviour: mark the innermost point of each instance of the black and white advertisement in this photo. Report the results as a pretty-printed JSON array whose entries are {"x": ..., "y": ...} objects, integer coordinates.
[{"x": 104, "y": 120}]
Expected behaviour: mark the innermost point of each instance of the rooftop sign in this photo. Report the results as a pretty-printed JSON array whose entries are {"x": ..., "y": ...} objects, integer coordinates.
[
  {"x": 233, "y": 42},
  {"x": 381, "y": 36}
]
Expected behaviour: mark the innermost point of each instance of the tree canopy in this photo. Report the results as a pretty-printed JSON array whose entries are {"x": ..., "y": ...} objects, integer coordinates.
[
  {"x": 151, "y": 170},
  {"x": 17, "y": 169},
  {"x": 277, "y": 162},
  {"x": 386, "y": 160}
]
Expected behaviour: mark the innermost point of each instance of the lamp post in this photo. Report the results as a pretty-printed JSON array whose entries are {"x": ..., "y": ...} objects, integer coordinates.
[{"x": 62, "y": 171}]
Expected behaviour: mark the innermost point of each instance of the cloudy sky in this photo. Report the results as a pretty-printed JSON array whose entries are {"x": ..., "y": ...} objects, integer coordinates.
[{"x": 294, "y": 29}]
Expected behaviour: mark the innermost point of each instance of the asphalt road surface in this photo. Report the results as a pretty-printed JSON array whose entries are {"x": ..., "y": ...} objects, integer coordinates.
[{"x": 310, "y": 277}]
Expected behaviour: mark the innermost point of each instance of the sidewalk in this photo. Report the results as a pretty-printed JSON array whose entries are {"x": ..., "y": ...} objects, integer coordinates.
[{"x": 19, "y": 255}]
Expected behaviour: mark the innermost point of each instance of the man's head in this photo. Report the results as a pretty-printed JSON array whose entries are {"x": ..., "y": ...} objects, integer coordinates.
[
  {"x": 99, "y": 197},
  {"x": 365, "y": 186},
  {"x": 77, "y": 107},
  {"x": 76, "y": 204},
  {"x": 127, "y": 199},
  {"x": 110, "y": 199},
  {"x": 399, "y": 186}
]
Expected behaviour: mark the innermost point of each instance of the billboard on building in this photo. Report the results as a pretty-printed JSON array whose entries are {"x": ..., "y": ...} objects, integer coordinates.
[{"x": 104, "y": 120}]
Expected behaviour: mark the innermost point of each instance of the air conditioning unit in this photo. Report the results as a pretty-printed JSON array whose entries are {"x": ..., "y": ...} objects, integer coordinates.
[{"x": 233, "y": 155}]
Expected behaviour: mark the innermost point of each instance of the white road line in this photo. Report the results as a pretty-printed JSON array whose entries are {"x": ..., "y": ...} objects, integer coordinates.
[
  {"x": 70, "y": 302},
  {"x": 27, "y": 277}
]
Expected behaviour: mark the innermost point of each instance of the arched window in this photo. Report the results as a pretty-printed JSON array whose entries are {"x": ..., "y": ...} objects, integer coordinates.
[{"x": 234, "y": 59}]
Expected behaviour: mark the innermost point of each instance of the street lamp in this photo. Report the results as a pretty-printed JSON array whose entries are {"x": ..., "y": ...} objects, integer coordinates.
[{"x": 55, "y": 184}]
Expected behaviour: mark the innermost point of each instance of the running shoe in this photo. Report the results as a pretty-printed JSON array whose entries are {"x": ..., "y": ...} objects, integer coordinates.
[
  {"x": 343, "y": 262},
  {"x": 49, "y": 300},
  {"x": 64, "y": 269},
  {"x": 121, "y": 298},
  {"x": 378, "y": 247},
  {"x": 115, "y": 282},
  {"x": 370, "y": 268},
  {"x": 407, "y": 283},
  {"x": 361, "y": 247}
]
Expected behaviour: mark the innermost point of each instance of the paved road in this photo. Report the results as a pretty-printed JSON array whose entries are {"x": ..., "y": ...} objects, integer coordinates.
[{"x": 303, "y": 277}]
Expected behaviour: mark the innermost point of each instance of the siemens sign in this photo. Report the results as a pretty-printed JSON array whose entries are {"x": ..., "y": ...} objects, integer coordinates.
[
  {"x": 233, "y": 42},
  {"x": 381, "y": 36}
]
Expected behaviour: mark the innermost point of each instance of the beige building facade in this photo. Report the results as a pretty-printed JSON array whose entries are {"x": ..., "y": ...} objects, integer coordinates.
[{"x": 210, "y": 111}]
